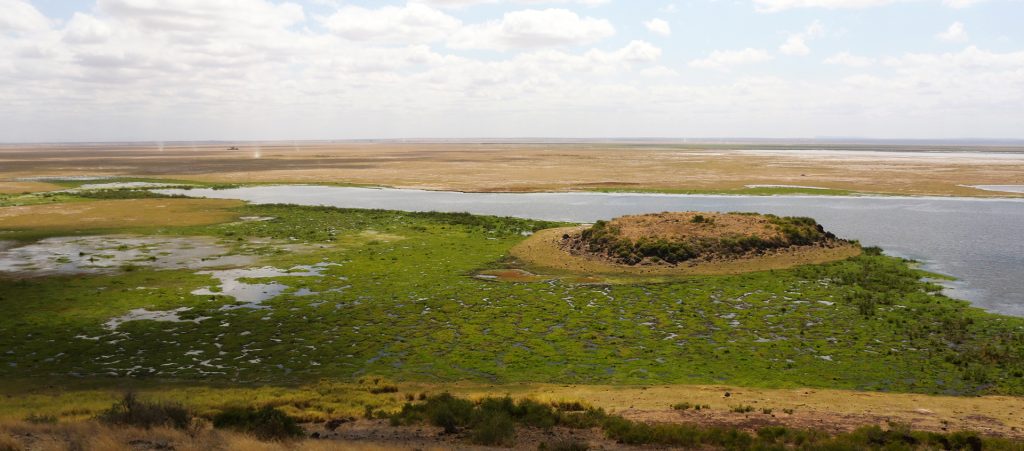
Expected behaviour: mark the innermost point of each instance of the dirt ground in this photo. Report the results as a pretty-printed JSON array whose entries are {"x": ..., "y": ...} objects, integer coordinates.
[{"x": 555, "y": 166}]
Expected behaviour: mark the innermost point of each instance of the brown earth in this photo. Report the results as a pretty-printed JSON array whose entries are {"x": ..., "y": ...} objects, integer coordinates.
[
  {"x": 117, "y": 214},
  {"x": 16, "y": 187},
  {"x": 554, "y": 166}
]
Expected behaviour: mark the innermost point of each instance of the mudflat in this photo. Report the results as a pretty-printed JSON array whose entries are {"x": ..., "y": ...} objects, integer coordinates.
[{"x": 551, "y": 166}]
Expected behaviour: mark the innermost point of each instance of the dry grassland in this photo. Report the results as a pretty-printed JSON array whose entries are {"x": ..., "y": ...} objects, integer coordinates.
[
  {"x": 17, "y": 187},
  {"x": 117, "y": 214},
  {"x": 533, "y": 167}
]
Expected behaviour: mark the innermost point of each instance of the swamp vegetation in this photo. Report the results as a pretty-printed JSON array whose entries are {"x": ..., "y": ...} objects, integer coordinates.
[{"x": 395, "y": 295}]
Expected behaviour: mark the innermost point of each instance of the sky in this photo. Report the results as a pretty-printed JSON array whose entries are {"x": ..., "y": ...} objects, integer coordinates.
[{"x": 180, "y": 70}]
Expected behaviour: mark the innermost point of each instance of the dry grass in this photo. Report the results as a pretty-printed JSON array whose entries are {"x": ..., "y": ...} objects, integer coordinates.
[
  {"x": 835, "y": 410},
  {"x": 117, "y": 214},
  {"x": 525, "y": 167},
  {"x": 679, "y": 226},
  {"x": 543, "y": 251},
  {"x": 26, "y": 187},
  {"x": 92, "y": 436}
]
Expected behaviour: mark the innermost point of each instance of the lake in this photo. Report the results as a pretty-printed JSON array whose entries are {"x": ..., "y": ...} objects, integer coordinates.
[{"x": 979, "y": 241}]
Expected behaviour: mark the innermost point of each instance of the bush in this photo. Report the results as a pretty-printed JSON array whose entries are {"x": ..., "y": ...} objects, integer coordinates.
[
  {"x": 493, "y": 428},
  {"x": 267, "y": 423},
  {"x": 384, "y": 389},
  {"x": 743, "y": 409},
  {"x": 130, "y": 411},
  {"x": 444, "y": 410}
]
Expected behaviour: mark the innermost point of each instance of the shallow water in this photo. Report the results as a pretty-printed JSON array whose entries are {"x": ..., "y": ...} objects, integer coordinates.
[
  {"x": 251, "y": 295},
  {"x": 170, "y": 316},
  {"x": 108, "y": 253},
  {"x": 978, "y": 241},
  {"x": 1001, "y": 188}
]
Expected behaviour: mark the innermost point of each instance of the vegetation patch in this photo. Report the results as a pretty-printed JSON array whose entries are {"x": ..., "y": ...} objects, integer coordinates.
[
  {"x": 265, "y": 423},
  {"x": 406, "y": 309},
  {"x": 493, "y": 421},
  {"x": 131, "y": 411}
]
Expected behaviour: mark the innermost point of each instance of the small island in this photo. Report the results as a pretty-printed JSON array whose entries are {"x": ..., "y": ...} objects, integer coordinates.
[{"x": 686, "y": 243}]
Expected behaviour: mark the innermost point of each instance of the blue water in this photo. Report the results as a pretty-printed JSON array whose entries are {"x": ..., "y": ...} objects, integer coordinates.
[{"x": 978, "y": 241}]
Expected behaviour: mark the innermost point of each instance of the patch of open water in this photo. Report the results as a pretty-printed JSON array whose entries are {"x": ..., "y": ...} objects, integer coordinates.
[
  {"x": 172, "y": 316},
  {"x": 110, "y": 253},
  {"x": 1001, "y": 188},
  {"x": 251, "y": 295}
]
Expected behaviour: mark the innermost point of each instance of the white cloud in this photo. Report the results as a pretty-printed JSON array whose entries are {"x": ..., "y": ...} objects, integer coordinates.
[
  {"x": 796, "y": 44},
  {"x": 956, "y": 32},
  {"x": 659, "y": 27},
  {"x": 20, "y": 16},
  {"x": 637, "y": 52},
  {"x": 85, "y": 28},
  {"x": 971, "y": 58},
  {"x": 770, "y": 6},
  {"x": 412, "y": 23},
  {"x": 723, "y": 59},
  {"x": 780, "y": 5},
  {"x": 960, "y": 4},
  {"x": 464, "y": 3},
  {"x": 533, "y": 28},
  {"x": 246, "y": 69},
  {"x": 849, "y": 60},
  {"x": 203, "y": 15}
]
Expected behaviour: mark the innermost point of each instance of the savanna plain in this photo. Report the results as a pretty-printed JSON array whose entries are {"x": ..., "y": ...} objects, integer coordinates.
[{"x": 140, "y": 320}]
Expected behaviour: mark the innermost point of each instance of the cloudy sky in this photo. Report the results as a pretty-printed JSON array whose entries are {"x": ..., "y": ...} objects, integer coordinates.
[{"x": 107, "y": 70}]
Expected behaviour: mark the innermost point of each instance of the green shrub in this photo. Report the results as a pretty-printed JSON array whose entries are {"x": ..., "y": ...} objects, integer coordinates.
[
  {"x": 742, "y": 409},
  {"x": 267, "y": 423}
]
